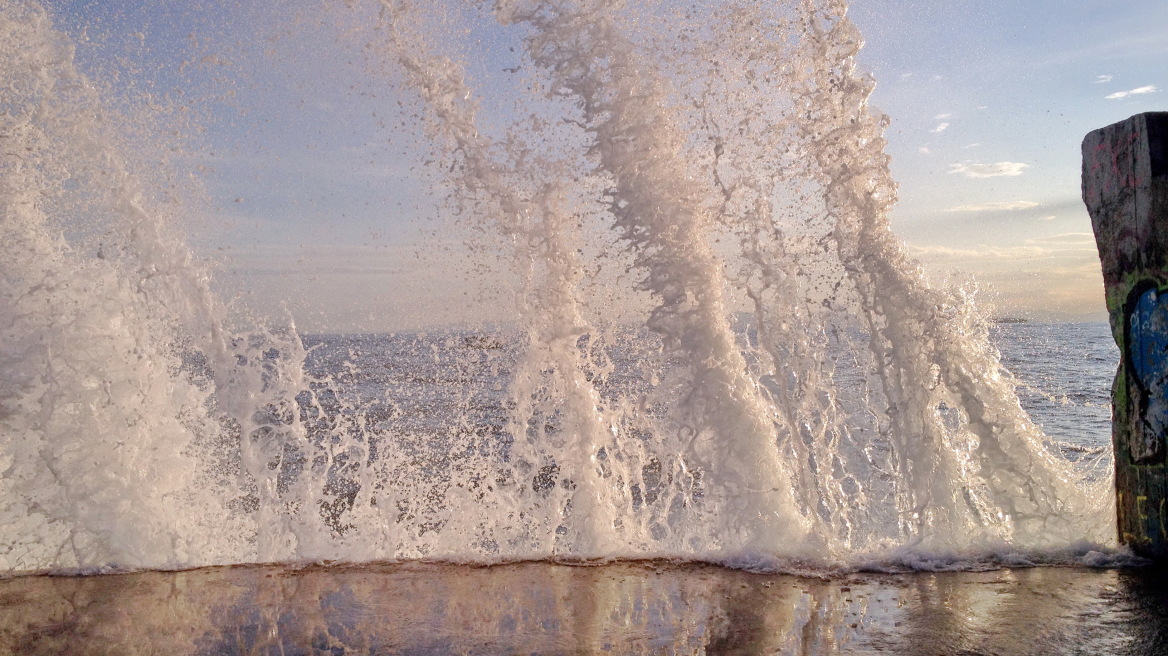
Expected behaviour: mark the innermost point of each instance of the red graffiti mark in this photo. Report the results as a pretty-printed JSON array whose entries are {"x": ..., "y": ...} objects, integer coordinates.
[{"x": 1107, "y": 152}]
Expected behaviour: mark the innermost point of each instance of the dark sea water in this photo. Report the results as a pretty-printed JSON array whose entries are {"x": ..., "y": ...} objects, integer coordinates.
[{"x": 1066, "y": 371}]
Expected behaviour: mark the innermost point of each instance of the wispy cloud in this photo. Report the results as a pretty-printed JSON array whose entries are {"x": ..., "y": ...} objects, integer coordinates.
[
  {"x": 1103, "y": 79},
  {"x": 1067, "y": 246},
  {"x": 1049, "y": 217},
  {"x": 1134, "y": 92},
  {"x": 972, "y": 145},
  {"x": 940, "y": 128},
  {"x": 995, "y": 170},
  {"x": 982, "y": 253},
  {"x": 1007, "y": 206},
  {"x": 1065, "y": 239},
  {"x": 940, "y": 117},
  {"x": 924, "y": 150}
]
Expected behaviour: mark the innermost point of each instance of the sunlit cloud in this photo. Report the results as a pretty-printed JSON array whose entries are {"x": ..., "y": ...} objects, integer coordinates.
[
  {"x": 1065, "y": 239},
  {"x": 1077, "y": 246},
  {"x": 1008, "y": 206},
  {"x": 984, "y": 253},
  {"x": 1102, "y": 79},
  {"x": 1134, "y": 92},
  {"x": 995, "y": 170},
  {"x": 924, "y": 150},
  {"x": 1049, "y": 217},
  {"x": 940, "y": 117},
  {"x": 940, "y": 128},
  {"x": 972, "y": 145}
]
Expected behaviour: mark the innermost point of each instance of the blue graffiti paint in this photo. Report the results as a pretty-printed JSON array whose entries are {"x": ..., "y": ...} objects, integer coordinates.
[{"x": 1148, "y": 346}]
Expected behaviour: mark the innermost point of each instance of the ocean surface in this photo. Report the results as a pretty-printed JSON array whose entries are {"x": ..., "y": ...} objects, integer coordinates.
[
  {"x": 1063, "y": 372},
  {"x": 444, "y": 398}
]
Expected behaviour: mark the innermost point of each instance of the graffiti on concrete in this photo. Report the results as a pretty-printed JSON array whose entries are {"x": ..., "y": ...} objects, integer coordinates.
[{"x": 1147, "y": 340}]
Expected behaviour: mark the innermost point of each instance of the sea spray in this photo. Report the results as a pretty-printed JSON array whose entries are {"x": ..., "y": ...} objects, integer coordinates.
[
  {"x": 722, "y": 424},
  {"x": 971, "y": 461},
  {"x": 140, "y": 431},
  {"x": 910, "y": 396},
  {"x": 793, "y": 390},
  {"x": 557, "y": 424},
  {"x": 96, "y": 425}
]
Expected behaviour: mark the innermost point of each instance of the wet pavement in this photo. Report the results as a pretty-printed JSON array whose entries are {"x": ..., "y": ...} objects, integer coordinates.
[{"x": 653, "y": 607}]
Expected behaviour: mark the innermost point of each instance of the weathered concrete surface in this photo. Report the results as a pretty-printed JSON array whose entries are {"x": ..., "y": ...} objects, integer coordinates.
[{"x": 1125, "y": 187}]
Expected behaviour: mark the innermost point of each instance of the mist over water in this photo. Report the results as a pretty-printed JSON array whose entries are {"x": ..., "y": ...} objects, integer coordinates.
[{"x": 777, "y": 387}]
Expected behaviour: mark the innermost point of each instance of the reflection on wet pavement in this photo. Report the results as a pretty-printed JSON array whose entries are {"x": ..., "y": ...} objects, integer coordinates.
[{"x": 626, "y": 608}]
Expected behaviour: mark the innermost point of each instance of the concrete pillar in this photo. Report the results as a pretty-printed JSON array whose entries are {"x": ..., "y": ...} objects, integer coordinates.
[{"x": 1125, "y": 187}]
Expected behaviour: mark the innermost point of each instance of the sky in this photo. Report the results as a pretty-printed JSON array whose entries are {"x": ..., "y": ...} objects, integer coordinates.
[
  {"x": 990, "y": 101},
  {"x": 319, "y": 205}
]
